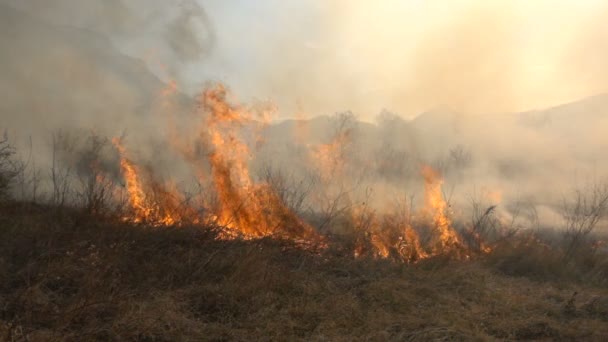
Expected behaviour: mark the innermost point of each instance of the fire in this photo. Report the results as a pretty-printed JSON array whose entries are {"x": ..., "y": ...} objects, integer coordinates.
[
  {"x": 252, "y": 209},
  {"x": 220, "y": 155},
  {"x": 132, "y": 182},
  {"x": 330, "y": 158},
  {"x": 246, "y": 208},
  {"x": 389, "y": 236},
  {"x": 435, "y": 205},
  {"x": 143, "y": 211}
]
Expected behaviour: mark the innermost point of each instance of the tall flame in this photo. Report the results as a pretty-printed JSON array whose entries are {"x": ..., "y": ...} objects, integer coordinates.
[
  {"x": 252, "y": 209},
  {"x": 436, "y": 206}
]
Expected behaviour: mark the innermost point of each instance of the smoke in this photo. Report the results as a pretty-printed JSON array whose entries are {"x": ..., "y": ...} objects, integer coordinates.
[
  {"x": 109, "y": 65},
  {"x": 322, "y": 57},
  {"x": 413, "y": 56},
  {"x": 183, "y": 37},
  {"x": 95, "y": 65},
  {"x": 166, "y": 34}
]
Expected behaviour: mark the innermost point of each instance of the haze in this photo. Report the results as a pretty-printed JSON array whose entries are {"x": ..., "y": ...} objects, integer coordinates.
[
  {"x": 517, "y": 85},
  {"x": 319, "y": 57}
]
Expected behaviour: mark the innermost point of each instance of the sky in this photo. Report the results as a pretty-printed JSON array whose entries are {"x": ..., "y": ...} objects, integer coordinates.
[
  {"x": 318, "y": 57},
  {"x": 411, "y": 56}
]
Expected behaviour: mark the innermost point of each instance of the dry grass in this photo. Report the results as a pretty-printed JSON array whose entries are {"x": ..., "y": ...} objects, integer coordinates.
[{"x": 67, "y": 276}]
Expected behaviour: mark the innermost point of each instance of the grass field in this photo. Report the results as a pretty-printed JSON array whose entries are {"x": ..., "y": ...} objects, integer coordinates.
[{"x": 68, "y": 276}]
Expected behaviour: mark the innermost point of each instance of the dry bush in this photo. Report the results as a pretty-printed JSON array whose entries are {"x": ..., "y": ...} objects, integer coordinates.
[
  {"x": 486, "y": 229},
  {"x": 582, "y": 212},
  {"x": 95, "y": 185},
  {"x": 539, "y": 256},
  {"x": 9, "y": 169},
  {"x": 28, "y": 177},
  {"x": 526, "y": 255},
  {"x": 60, "y": 173},
  {"x": 292, "y": 192}
]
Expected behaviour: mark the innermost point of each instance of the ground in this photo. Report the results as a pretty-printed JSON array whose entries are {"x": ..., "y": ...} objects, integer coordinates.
[{"x": 69, "y": 276}]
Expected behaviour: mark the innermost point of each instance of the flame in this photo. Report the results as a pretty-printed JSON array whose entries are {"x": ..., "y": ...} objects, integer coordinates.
[
  {"x": 388, "y": 237},
  {"x": 168, "y": 91},
  {"x": 252, "y": 209},
  {"x": 434, "y": 204},
  {"x": 479, "y": 243},
  {"x": 134, "y": 187},
  {"x": 247, "y": 209},
  {"x": 220, "y": 155},
  {"x": 330, "y": 159},
  {"x": 143, "y": 211}
]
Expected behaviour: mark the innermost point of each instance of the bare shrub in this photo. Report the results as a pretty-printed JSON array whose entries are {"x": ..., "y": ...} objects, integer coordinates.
[
  {"x": 483, "y": 223},
  {"x": 291, "y": 191},
  {"x": 528, "y": 256},
  {"x": 332, "y": 207},
  {"x": 60, "y": 173},
  {"x": 486, "y": 227},
  {"x": 460, "y": 157},
  {"x": 392, "y": 163},
  {"x": 344, "y": 128},
  {"x": 581, "y": 215},
  {"x": 28, "y": 177},
  {"x": 94, "y": 185},
  {"x": 9, "y": 169}
]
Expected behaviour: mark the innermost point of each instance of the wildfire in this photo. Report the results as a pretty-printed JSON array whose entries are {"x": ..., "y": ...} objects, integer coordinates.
[
  {"x": 143, "y": 211},
  {"x": 252, "y": 209},
  {"x": 328, "y": 159},
  {"x": 248, "y": 209},
  {"x": 220, "y": 154},
  {"x": 388, "y": 237},
  {"x": 435, "y": 205}
]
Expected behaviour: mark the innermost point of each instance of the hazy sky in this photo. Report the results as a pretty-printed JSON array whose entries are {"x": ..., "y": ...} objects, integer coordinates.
[
  {"x": 322, "y": 56},
  {"x": 407, "y": 56}
]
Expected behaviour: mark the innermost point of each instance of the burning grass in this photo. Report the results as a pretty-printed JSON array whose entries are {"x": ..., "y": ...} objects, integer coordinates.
[{"x": 254, "y": 209}]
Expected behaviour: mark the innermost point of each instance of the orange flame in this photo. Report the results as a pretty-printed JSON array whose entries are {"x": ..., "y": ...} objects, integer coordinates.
[
  {"x": 435, "y": 205},
  {"x": 252, "y": 209},
  {"x": 390, "y": 237},
  {"x": 143, "y": 210},
  {"x": 330, "y": 158}
]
